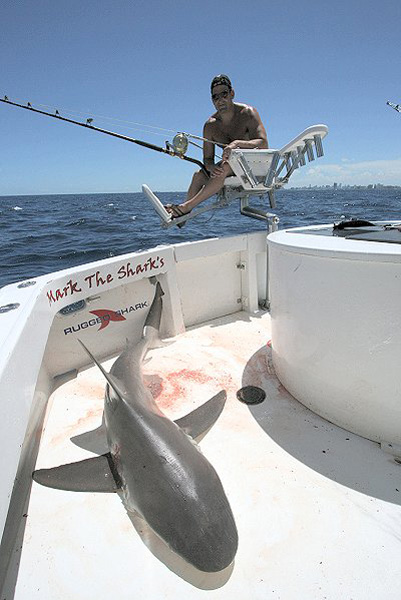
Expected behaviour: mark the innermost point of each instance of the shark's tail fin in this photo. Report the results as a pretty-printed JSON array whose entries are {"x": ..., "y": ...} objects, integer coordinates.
[{"x": 151, "y": 326}]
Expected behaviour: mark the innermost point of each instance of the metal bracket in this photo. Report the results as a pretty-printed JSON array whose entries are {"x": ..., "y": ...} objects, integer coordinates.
[
  {"x": 246, "y": 169},
  {"x": 272, "y": 173}
]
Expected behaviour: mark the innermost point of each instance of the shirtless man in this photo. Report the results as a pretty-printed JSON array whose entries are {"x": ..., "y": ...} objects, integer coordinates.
[{"x": 233, "y": 125}]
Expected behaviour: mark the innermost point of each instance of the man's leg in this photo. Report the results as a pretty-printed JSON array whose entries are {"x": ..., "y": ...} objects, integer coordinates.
[
  {"x": 208, "y": 189},
  {"x": 198, "y": 181}
]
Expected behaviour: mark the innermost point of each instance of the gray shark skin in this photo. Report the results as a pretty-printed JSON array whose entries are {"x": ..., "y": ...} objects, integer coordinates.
[{"x": 156, "y": 463}]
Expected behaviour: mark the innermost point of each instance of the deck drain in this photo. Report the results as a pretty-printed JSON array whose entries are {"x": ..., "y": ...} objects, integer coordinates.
[{"x": 251, "y": 394}]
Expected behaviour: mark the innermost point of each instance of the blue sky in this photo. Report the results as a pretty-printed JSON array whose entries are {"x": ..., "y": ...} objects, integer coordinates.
[{"x": 299, "y": 62}]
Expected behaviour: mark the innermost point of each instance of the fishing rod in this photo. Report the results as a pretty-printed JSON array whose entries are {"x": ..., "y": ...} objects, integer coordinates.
[
  {"x": 396, "y": 107},
  {"x": 178, "y": 147}
]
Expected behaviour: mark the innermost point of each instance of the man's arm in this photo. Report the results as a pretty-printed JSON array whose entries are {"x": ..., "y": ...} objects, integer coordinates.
[
  {"x": 208, "y": 152},
  {"x": 257, "y": 132},
  {"x": 208, "y": 147}
]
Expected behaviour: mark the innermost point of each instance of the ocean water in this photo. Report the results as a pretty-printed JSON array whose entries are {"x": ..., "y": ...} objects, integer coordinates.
[{"x": 41, "y": 234}]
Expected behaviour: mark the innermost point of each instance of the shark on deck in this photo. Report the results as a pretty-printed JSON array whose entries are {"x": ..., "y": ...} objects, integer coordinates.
[{"x": 156, "y": 462}]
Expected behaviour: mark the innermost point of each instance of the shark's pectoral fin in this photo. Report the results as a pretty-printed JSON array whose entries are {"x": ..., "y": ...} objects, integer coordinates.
[
  {"x": 90, "y": 475},
  {"x": 198, "y": 422}
]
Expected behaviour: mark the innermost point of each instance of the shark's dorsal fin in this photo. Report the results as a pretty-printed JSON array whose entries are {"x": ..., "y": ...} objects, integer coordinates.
[
  {"x": 115, "y": 383},
  {"x": 90, "y": 475},
  {"x": 198, "y": 422}
]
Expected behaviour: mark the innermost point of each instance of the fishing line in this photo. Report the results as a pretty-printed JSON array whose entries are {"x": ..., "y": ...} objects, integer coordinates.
[
  {"x": 82, "y": 114},
  {"x": 177, "y": 148},
  {"x": 85, "y": 113},
  {"x": 201, "y": 147},
  {"x": 93, "y": 115}
]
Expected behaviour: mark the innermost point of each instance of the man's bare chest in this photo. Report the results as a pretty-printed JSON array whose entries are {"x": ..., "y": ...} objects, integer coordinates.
[{"x": 235, "y": 130}]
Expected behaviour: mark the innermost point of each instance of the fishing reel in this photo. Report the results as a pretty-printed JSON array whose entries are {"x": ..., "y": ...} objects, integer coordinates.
[{"x": 179, "y": 145}]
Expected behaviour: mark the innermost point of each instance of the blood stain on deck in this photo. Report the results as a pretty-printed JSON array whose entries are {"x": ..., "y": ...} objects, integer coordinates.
[{"x": 177, "y": 385}]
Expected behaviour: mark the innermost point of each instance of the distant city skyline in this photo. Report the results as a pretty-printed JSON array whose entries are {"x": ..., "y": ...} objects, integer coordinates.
[
  {"x": 339, "y": 186},
  {"x": 348, "y": 172}
]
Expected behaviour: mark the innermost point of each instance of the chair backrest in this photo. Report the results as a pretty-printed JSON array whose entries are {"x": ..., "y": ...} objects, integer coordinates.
[{"x": 259, "y": 170}]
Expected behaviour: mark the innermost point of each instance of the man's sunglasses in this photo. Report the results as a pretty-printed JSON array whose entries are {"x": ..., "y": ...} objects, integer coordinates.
[{"x": 216, "y": 97}]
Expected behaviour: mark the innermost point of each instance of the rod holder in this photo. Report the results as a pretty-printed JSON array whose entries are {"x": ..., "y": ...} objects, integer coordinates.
[
  {"x": 318, "y": 146},
  {"x": 273, "y": 170},
  {"x": 309, "y": 150},
  {"x": 301, "y": 156},
  {"x": 247, "y": 170}
]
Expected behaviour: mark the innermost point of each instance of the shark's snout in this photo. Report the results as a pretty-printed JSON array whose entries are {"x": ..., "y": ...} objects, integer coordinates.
[{"x": 210, "y": 550}]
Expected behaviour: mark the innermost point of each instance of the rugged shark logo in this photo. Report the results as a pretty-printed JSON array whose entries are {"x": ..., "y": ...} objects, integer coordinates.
[
  {"x": 106, "y": 316},
  {"x": 103, "y": 317}
]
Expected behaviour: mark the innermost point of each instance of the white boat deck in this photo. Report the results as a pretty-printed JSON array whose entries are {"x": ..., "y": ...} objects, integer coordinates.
[{"x": 317, "y": 508}]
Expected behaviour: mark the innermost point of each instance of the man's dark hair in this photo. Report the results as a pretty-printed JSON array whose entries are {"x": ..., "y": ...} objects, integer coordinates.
[{"x": 221, "y": 80}]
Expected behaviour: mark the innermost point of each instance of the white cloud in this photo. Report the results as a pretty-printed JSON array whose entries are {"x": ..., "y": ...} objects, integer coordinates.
[{"x": 387, "y": 172}]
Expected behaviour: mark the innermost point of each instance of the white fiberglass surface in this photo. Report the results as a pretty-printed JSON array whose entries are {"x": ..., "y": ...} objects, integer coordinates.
[
  {"x": 317, "y": 508},
  {"x": 336, "y": 325}
]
